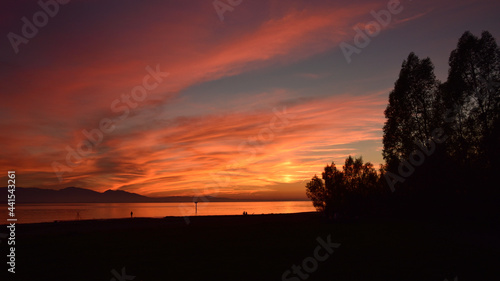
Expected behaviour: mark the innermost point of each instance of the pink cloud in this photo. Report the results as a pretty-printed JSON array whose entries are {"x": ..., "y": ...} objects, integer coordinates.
[
  {"x": 68, "y": 87},
  {"x": 220, "y": 153}
]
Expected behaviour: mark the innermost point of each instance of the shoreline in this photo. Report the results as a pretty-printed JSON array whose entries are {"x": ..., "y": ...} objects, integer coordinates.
[
  {"x": 165, "y": 218},
  {"x": 161, "y": 202},
  {"x": 51, "y": 213}
]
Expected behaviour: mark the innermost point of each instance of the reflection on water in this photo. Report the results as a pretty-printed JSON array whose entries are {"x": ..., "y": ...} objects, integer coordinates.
[{"x": 32, "y": 213}]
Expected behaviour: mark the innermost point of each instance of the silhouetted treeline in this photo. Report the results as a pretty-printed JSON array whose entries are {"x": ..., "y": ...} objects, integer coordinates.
[
  {"x": 441, "y": 142},
  {"x": 353, "y": 191}
]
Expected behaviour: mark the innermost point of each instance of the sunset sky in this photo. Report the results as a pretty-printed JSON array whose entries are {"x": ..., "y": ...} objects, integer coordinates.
[{"x": 168, "y": 98}]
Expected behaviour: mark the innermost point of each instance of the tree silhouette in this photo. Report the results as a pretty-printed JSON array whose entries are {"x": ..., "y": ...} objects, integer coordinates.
[
  {"x": 465, "y": 110},
  {"x": 344, "y": 192},
  {"x": 449, "y": 133},
  {"x": 316, "y": 191},
  {"x": 412, "y": 113},
  {"x": 475, "y": 98}
]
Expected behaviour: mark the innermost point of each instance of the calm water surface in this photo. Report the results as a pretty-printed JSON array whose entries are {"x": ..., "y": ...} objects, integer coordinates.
[{"x": 33, "y": 213}]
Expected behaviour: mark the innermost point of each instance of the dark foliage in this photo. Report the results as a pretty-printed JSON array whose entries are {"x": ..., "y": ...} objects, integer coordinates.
[{"x": 441, "y": 143}]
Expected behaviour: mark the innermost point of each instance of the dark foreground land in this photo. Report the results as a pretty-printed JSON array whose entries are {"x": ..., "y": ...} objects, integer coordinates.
[{"x": 260, "y": 247}]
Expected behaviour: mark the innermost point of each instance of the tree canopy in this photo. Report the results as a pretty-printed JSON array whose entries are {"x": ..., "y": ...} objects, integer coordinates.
[{"x": 440, "y": 140}]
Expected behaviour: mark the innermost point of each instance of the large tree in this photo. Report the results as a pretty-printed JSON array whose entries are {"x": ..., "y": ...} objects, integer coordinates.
[
  {"x": 472, "y": 95},
  {"x": 466, "y": 109},
  {"x": 412, "y": 113}
]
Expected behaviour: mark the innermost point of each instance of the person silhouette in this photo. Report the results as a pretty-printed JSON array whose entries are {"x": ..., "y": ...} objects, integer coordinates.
[{"x": 131, "y": 214}]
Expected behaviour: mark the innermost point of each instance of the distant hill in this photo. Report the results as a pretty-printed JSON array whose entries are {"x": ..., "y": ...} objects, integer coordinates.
[{"x": 82, "y": 195}]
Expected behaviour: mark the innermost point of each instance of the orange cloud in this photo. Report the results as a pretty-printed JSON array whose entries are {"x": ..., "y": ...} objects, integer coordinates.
[
  {"x": 225, "y": 152},
  {"x": 64, "y": 88}
]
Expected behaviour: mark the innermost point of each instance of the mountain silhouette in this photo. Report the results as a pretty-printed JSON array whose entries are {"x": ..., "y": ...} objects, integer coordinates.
[{"x": 82, "y": 195}]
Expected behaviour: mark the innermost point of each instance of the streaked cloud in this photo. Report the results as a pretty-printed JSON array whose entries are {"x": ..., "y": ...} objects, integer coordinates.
[{"x": 183, "y": 139}]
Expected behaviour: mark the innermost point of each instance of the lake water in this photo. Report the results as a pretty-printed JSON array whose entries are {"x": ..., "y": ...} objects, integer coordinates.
[{"x": 33, "y": 213}]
